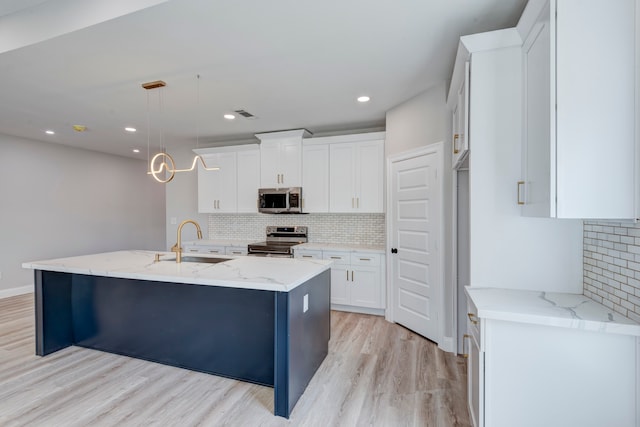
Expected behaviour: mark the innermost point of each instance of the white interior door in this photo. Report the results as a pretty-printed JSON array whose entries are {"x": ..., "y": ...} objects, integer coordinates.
[{"x": 416, "y": 206}]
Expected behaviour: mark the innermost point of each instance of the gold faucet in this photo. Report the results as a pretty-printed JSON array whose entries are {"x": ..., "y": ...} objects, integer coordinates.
[{"x": 177, "y": 248}]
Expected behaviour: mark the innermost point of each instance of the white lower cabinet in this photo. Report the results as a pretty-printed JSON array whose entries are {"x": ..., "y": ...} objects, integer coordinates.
[
  {"x": 357, "y": 278},
  {"x": 532, "y": 375}
]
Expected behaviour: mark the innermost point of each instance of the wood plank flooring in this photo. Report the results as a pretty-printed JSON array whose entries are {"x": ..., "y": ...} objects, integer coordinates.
[{"x": 376, "y": 374}]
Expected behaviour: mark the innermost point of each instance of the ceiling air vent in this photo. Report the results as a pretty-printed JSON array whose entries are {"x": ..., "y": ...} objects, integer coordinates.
[{"x": 245, "y": 114}]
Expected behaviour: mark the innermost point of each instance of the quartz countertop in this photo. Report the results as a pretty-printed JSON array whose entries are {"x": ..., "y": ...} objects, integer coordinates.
[
  {"x": 271, "y": 274},
  {"x": 341, "y": 247},
  {"x": 550, "y": 309}
]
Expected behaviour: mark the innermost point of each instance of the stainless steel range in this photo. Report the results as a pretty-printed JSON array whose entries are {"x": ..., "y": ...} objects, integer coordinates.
[{"x": 280, "y": 241}]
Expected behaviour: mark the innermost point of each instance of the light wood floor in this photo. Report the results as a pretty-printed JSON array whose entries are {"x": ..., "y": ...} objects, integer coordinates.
[{"x": 376, "y": 374}]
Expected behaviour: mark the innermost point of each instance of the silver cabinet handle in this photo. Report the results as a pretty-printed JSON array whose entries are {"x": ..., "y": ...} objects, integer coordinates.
[{"x": 520, "y": 185}]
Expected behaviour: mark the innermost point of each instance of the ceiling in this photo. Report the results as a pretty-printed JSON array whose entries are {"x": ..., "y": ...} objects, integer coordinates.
[{"x": 291, "y": 63}]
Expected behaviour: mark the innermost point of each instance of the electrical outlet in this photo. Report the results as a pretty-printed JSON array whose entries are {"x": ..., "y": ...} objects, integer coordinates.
[
  {"x": 305, "y": 303},
  {"x": 0, "y": 275},
  {"x": 173, "y": 220}
]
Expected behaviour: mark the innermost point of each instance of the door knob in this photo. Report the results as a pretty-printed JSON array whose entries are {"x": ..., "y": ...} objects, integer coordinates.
[{"x": 394, "y": 250}]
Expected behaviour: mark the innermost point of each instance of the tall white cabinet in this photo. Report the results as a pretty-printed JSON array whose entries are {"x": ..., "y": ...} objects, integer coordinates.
[
  {"x": 581, "y": 116},
  {"x": 507, "y": 249}
]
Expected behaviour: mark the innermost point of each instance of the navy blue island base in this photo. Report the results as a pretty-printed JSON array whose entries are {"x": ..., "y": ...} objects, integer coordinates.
[{"x": 259, "y": 336}]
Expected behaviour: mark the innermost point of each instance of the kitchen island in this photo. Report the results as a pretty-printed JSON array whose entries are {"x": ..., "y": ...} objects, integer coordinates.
[{"x": 261, "y": 320}]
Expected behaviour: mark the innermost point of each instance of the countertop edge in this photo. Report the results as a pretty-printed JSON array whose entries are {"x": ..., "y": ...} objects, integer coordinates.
[{"x": 493, "y": 311}]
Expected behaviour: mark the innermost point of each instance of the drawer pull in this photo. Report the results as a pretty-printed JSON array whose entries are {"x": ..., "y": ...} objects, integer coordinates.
[
  {"x": 307, "y": 256},
  {"x": 193, "y": 250},
  {"x": 365, "y": 259},
  {"x": 465, "y": 337},
  {"x": 213, "y": 252},
  {"x": 520, "y": 185},
  {"x": 336, "y": 257},
  {"x": 471, "y": 317},
  {"x": 236, "y": 252}
]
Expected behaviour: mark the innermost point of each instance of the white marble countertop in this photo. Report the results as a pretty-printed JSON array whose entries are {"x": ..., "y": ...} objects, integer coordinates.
[
  {"x": 550, "y": 309},
  {"x": 341, "y": 247},
  {"x": 219, "y": 242},
  {"x": 271, "y": 274}
]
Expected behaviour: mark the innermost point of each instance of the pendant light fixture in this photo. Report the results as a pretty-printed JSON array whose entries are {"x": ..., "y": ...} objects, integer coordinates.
[{"x": 162, "y": 167}]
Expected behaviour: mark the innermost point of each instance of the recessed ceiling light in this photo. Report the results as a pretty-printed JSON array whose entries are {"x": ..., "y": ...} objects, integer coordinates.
[
  {"x": 130, "y": 129},
  {"x": 229, "y": 116},
  {"x": 363, "y": 99},
  {"x": 49, "y": 132},
  {"x": 135, "y": 150}
]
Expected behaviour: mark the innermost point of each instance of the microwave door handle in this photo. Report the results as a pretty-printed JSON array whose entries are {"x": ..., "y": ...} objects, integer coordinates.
[{"x": 287, "y": 199}]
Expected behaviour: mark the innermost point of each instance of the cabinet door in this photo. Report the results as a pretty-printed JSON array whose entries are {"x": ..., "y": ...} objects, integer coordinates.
[
  {"x": 340, "y": 285},
  {"x": 248, "y": 172},
  {"x": 538, "y": 154},
  {"x": 342, "y": 178},
  {"x": 461, "y": 121},
  {"x": 340, "y": 280},
  {"x": 597, "y": 115},
  {"x": 269, "y": 164},
  {"x": 475, "y": 377},
  {"x": 370, "y": 177},
  {"x": 364, "y": 286},
  {"x": 315, "y": 178},
  {"x": 290, "y": 160},
  {"x": 217, "y": 189}
]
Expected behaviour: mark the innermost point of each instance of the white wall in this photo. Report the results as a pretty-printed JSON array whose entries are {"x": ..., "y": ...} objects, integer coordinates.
[
  {"x": 58, "y": 201},
  {"x": 419, "y": 121}
]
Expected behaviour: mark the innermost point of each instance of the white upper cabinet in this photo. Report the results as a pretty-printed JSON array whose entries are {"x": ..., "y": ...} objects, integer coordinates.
[
  {"x": 216, "y": 189},
  {"x": 581, "y": 140},
  {"x": 315, "y": 176},
  {"x": 233, "y": 188},
  {"x": 248, "y": 170},
  {"x": 356, "y": 179},
  {"x": 460, "y": 138},
  {"x": 281, "y": 158}
]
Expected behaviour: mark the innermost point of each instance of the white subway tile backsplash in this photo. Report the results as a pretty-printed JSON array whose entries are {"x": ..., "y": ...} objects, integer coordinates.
[
  {"x": 612, "y": 266},
  {"x": 364, "y": 229}
]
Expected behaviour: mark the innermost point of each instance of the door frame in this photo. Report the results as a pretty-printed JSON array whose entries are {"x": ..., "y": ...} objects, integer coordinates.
[{"x": 437, "y": 149}]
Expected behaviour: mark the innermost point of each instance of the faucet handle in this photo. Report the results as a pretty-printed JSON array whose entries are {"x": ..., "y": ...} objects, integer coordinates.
[{"x": 176, "y": 248}]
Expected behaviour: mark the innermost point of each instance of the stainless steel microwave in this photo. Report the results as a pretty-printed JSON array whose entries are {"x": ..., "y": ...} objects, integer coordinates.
[{"x": 280, "y": 200}]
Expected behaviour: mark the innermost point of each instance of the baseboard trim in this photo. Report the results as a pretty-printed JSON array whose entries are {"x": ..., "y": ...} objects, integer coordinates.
[
  {"x": 6, "y": 293},
  {"x": 361, "y": 310},
  {"x": 447, "y": 344}
]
